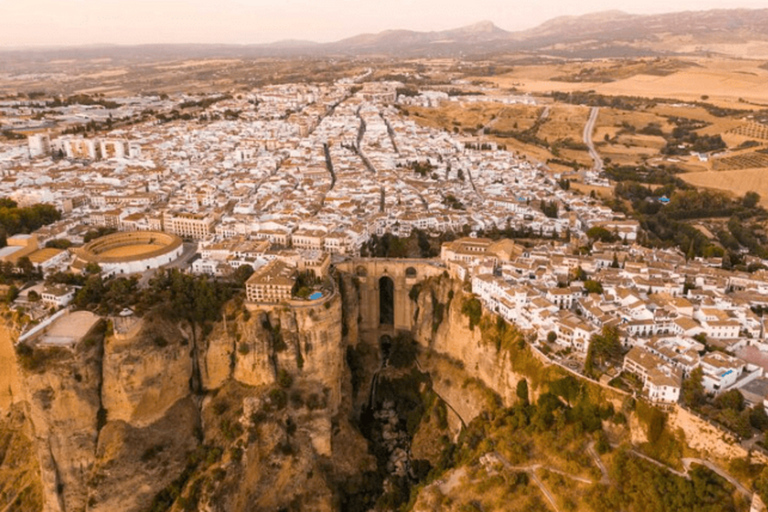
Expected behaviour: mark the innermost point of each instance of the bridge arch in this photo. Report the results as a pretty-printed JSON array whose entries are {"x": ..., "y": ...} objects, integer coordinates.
[
  {"x": 386, "y": 301},
  {"x": 380, "y": 276}
]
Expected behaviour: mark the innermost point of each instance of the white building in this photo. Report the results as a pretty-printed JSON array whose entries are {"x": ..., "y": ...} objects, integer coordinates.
[
  {"x": 39, "y": 145},
  {"x": 661, "y": 381},
  {"x": 721, "y": 371},
  {"x": 58, "y": 295}
]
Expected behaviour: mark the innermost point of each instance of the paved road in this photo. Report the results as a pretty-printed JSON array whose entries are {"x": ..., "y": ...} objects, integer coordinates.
[
  {"x": 588, "y": 129},
  {"x": 190, "y": 249}
]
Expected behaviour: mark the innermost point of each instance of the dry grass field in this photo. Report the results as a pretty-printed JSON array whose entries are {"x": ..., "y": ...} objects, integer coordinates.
[
  {"x": 535, "y": 153},
  {"x": 738, "y": 182},
  {"x": 722, "y": 80},
  {"x": 564, "y": 121},
  {"x": 623, "y": 146},
  {"x": 621, "y": 154},
  {"x": 604, "y": 192},
  {"x": 516, "y": 117},
  {"x": 612, "y": 117},
  {"x": 455, "y": 114}
]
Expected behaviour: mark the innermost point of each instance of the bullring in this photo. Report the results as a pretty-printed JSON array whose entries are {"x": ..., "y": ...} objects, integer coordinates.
[{"x": 130, "y": 252}]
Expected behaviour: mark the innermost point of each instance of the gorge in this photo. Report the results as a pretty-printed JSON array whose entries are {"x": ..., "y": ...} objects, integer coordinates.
[{"x": 384, "y": 394}]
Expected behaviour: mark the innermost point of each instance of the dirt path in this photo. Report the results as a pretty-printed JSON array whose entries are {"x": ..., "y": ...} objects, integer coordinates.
[
  {"x": 605, "y": 480},
  {"x": 660, "y": 464},
  {"x": 531, "y": 470},
  {"x": 546, "y": 492},
  {"x": 447, "y": 485},
  {"x": 688, "y": 462},
  {"x": 714, "y": 467},
  {"x": 9, "y": 380}
]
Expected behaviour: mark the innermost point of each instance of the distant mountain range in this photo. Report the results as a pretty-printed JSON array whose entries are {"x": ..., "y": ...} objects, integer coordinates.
[{"x": 603, "y": 34}]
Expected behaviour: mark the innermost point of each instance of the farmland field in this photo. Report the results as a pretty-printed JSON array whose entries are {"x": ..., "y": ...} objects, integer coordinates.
[{"x": 738, "y": 182}]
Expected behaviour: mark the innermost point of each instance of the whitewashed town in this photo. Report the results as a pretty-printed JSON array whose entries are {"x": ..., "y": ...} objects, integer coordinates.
[{"x": 292, "y": 177}]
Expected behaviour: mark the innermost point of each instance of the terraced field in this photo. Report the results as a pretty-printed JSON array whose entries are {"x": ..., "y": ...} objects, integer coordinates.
[
  {"x": 753, "y": 160},
  {"x": 752, "y": 130}
]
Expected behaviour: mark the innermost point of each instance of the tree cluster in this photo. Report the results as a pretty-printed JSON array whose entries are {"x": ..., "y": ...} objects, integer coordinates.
[
  {"x": 603, "y": 347},
  {"x": 14, "y": 220}
]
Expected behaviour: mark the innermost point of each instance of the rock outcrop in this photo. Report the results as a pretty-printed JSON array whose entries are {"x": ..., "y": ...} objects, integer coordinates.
[
  {"x": 144, "y": 376},
  {"x": 440, "y": 326},
  {"x": 260, "y": 410}
]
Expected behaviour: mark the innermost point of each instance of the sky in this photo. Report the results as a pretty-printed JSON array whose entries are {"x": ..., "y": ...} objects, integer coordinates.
[{"x": 84, "y": 22}]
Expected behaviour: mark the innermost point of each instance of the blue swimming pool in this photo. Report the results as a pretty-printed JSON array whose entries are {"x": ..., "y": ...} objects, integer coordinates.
[{"x": 315, "y": 296}]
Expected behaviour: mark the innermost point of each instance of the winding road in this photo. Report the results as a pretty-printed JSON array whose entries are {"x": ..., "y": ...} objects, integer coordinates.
[
  {"x": 588, "y": 129},
  {"x": 715, "y": 468},
  {"x": 689, "y": 461},
  {"x": 605, "y": 479},
  {"x": 531, "y": 470}
]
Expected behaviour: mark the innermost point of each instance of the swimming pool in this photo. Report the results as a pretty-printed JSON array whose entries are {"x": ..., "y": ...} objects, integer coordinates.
[{"x": 316, "y": 295}]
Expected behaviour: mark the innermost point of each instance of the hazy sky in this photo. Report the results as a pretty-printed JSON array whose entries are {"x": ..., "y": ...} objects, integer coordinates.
[{"x": 76, "y": 22}]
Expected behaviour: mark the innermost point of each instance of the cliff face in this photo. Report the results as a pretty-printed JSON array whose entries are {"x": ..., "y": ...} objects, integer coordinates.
[
  {"x": 255, "y": 347},
  {"x": 278, "y": 408},
  {"x": 260, "y": 410},
  {"x": 63, "y": 401},
  {"x": 144, "y": 376},
  {"x": 133, "y": 463},
  {"x": 247, "y": 404},
  {"x": 441, "y": 327}
]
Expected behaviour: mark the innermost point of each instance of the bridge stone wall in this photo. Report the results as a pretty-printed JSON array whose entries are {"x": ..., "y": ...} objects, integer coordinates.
[{"x": 404, "y": 274}]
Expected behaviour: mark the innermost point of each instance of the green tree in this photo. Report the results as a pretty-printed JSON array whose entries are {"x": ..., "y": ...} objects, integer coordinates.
[
  {"x": 473, "y": 309},
  {"x": 59, "y": 243},
  {"x": 25, "y": 266},
  {"x": 91, "y": 293},
  {"x": 11, "y": 294},
  {"x": 693, "y": 394},
  {"x": 602, "y": 347},
  {"x": 241, "y": 275},
  {"x": 599, "y": 233},
  {"x": 732, "y": 399},
  {"x": 579, "y": 274},
  {"x": 568, "y": 388},
  {"x": 761, "y": 485},
  {"x": 758, "y": 417},
  {"x": 592, "y": 286},
  {"x": 93, "y": 268},
  {"x": 750, "y": 200},
  {"x": 522, "y": 391}
]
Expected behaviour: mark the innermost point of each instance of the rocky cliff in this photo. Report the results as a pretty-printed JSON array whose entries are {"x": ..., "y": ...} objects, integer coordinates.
[
  {"x": 124, "y": 422},
  {"x": 267, "y": 408},
  {"x": 487, "y": 351},
  {"x": 20, "y": 478}
]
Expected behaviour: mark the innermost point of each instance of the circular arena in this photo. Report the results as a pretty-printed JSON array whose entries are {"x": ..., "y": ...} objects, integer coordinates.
[{"x": 131, "y": 252}]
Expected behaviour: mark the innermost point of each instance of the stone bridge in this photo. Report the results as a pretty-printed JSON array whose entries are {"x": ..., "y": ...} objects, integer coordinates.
[{"x": 385, "y": 285}]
